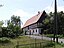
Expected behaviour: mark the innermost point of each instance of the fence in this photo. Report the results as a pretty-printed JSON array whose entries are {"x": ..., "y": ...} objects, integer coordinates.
[
  {"x": 32, "y": 45},
  {"x": 27, "y": 42}
]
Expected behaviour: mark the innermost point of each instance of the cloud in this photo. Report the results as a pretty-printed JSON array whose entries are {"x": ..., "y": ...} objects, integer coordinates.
[
  {"x": 21, "y": 13},
  {"x": 24, "y": 16}
]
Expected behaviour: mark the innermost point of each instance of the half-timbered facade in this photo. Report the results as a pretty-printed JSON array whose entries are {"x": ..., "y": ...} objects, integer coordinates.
[{"x": 34, "y": 24}]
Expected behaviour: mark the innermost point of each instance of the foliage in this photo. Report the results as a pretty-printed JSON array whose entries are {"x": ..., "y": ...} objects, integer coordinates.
[
  {"x": 4, "y": 40},
  {"x": 49, "y": 23},
  {"x": 46, "y": 24},
  {"x": 46, "y": 21},
  {"x": 1, "y": 23},
  {"x": 50, "y": 44},
  {"x": 4, "y": 31},
  {"x": 14, "y": 26},
  {"x": 50, "y": 35},
  {"x": 15, "y": 20}
]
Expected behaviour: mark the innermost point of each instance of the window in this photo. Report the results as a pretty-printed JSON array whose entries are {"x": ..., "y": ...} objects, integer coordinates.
[
  {"x": 33, "y": 31},
  {"x": 36, "y": 30}
]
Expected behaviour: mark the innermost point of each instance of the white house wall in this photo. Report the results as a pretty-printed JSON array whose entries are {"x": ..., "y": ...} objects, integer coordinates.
[
  {"x": 33, "y": 31},
  {"x": 36, "y": 32}
]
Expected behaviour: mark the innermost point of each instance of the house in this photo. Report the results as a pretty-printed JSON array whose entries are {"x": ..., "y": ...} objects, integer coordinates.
[{"x": 34, "y": 24}]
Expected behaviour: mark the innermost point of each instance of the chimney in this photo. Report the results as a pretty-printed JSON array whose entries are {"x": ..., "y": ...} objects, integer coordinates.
[{"x": 38, "y": 12}]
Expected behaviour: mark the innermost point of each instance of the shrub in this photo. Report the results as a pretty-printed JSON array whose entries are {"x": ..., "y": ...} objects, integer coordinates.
[
  {"x": 4, "y": 40},
  {"x": 51, "y": 44}
]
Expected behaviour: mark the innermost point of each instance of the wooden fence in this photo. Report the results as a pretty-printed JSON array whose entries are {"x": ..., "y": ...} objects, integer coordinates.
[{"x": 32, "y": 45}]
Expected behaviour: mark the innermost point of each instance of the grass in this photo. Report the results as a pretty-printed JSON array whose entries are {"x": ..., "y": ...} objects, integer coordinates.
[
  {"x": 52, "y": 35},
  {"x": 19, "y": 40},
  {"x": 27, "y": 40},
  {"x": 4, "y": 40},
  {"x": 49, "y": 35}
]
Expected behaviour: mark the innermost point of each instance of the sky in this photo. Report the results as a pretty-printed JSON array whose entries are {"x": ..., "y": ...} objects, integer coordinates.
[{"x": 27, "y": 8}]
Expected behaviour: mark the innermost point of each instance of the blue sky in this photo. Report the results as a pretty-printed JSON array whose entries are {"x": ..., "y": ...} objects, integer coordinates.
[{"x": 26, "y": 8}]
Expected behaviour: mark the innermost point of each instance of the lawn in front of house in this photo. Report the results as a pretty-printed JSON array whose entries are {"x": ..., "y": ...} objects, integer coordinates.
[
  {"x": 27, "y": 40},
  {"x": 19, "y": 40}
]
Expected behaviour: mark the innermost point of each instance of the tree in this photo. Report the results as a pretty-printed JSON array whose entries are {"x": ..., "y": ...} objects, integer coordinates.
[
  {"x": 46, "y": 25},
  {"x": 1, "y": 23},
  {"x": 14, "y": 26},
  {"x": 16, "y": 20},
  {"x": 49, "y": 23},
  {"x": 61, "y": 22}
]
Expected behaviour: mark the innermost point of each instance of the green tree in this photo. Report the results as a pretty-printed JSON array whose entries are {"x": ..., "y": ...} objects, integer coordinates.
[
  {"x": 49, "y": 21},
  {"x": 46, "y": 24},
  {"x": 16, "y": 20},
  {"x": 61, "y": 22},
  {"x": 1, "y": 23},
  {"x": 14, "y": 26}
]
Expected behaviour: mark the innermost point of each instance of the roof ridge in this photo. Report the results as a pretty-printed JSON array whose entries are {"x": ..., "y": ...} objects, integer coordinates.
[{"x": 35, "y": 15}]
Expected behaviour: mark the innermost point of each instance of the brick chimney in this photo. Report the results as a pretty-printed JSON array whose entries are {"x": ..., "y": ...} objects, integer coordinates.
[{"x": 38, "y": 12}]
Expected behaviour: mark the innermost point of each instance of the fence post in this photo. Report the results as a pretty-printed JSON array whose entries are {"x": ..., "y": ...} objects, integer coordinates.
[
  {"x": 40, "y": 45},
  {"x": 54, "y": 45},
  {"x": 35, "y": 42},
  {"x": 17, "y": 44}
]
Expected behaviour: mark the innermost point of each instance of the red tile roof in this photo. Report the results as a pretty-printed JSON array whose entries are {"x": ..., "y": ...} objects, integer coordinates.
[{"x": 32, "y": 20}]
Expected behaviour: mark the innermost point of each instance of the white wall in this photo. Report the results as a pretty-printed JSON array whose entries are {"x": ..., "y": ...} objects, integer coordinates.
[{"x": 35, "y": 31}]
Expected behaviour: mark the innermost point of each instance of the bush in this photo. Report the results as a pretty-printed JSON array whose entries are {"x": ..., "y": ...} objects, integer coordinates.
[
  {"x": 51, "y": 44},
  {"x": 50, "y": 35},
  {"x": 4, "y": 40}
]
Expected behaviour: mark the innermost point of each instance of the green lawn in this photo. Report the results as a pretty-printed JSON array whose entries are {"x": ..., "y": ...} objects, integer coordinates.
[
  {"x": 27, "y": 40},
  {"x": 52, "y": 35},
  {"x": 20, "y": 40}
]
